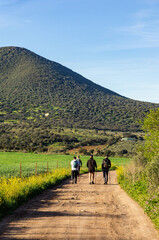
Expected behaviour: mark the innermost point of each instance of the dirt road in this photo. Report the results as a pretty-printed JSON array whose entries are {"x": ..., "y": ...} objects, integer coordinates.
[{"x": 80, "y": 211}]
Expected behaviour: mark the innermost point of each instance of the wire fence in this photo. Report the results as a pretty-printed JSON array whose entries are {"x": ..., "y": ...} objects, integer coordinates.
[{"x": 26, "y": 169}]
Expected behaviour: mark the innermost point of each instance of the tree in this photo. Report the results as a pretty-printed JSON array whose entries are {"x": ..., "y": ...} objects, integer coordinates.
[
  {"x": 151, "y": 148},
  {"x": 123, "y": 151},
  {"x": 83, "y": 151},
  {"x": 151, "y": 128}
]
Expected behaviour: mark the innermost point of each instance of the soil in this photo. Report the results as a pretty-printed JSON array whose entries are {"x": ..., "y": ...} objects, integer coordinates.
[{"x": 80, "y": 211}]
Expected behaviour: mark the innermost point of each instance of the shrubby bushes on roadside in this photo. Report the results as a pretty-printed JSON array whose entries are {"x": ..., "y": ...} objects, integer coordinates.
[
  {"x": 139, "y": 159},
  {"x": 152, "y": 171},
  {"x": 141, "y": 179},
  {"x": 14, "y": 191}
]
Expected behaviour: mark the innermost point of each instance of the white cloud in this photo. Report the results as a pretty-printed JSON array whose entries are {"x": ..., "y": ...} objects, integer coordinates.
[
  {"x": 143, "y": 32},
  {"x": 150, "y": 2},
  {"x": 10, "y": 14},
  {"x": 6, "y": 21},
  {"x": 147, "y": 31},
  {"x": 136, "y": 78},
  {"x": 28, "y": 21},
  {"x": 12, "y": 21},
  {"x": 8, "y": 2},
  {"x": 145, "y": 13}
]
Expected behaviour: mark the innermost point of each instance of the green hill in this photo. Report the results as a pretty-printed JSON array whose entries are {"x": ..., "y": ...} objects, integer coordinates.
[{"x": 35, "y": 90}]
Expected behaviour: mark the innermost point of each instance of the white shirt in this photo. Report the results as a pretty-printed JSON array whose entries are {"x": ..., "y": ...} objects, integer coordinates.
[{"x": 72, "y": 163}]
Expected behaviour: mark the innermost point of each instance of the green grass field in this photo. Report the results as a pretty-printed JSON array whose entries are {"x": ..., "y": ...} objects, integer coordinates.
[{"x": 10, "y": 162}]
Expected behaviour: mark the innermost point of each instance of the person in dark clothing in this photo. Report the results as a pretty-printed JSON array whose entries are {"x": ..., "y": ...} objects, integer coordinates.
[
  {"x": 106, "y": 164},
  {"x": 91, "y": 164}
]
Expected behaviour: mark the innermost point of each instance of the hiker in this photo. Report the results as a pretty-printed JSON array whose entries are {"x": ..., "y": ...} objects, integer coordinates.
[
  {"x": 79, "y": 164},
  {"x": 91, "y": 164},
  {"x": 106, "y": 164},
  {"x": 74, "y": 170}
]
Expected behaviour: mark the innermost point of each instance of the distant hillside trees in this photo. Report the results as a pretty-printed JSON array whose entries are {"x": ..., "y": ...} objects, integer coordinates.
[
  {"x": 36, "y": 90},
  {"x": 30, "y": 139}
]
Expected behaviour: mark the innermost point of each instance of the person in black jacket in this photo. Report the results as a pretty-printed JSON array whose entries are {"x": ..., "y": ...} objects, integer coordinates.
[
  {"x": 91, "y": 164},
  {"x": 106, "y": 164}
]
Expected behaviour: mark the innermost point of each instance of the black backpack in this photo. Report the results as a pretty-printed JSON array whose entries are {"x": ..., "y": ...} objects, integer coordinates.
[{"x": 106, "y": 163}]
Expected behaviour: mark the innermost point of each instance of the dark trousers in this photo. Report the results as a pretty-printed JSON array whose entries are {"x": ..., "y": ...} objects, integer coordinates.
[
  {"x": 74, "y": 174},
  {"x": 105, "y": 175}
]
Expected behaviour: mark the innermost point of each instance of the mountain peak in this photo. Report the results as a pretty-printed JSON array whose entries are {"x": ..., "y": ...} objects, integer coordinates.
[{"x": 31, "y": 86}]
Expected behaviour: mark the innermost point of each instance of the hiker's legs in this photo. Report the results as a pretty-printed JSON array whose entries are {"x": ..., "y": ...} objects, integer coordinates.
[
  {"x": 104, "y": 176},
  {"x": 72, "y": 175},
  {"x": 78, "y": 171},
  {"x": 76, "y": 174},
  {"x": 90, "y": 175},
  {"x": 93, "y": 176}
]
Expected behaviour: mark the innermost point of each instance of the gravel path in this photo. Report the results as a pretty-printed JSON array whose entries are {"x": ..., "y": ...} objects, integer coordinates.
[{"x": 80, "y": 211}]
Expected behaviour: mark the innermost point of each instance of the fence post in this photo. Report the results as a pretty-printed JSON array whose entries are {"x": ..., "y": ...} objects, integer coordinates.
[
  {"x": 36, "y": 169},
  {"x": 47, "y": 167},
  {"x": 20, "y": 170}
]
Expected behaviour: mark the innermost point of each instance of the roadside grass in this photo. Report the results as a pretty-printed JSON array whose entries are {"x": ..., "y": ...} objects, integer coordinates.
[
  {"x": 15, "y": 191},
  {"x": 137, "y": 188},
  {"x": 10, "y": 163}
]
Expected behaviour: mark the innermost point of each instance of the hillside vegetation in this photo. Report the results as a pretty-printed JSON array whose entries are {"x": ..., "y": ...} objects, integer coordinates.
[
  {"x": 52, "y": 140},
  {"x": 34, "y": 90}
]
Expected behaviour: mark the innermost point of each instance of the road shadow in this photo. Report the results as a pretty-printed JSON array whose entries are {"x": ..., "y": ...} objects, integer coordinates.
[{"x": 13, "y": 230}]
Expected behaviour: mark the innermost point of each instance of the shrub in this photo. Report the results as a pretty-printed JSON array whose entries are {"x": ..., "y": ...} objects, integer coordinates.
[
  {"x": 83, "y": 151},
  {"x": 139, "y": 159},
  {"x": 152, "y": 170},
  {"x": 123, "y": 151}
]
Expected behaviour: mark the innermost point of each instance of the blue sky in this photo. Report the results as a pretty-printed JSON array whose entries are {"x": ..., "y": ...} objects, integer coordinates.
[{"x": 114, "y": 43}]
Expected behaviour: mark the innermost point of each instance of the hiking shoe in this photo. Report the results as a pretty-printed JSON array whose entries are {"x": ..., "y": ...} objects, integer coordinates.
[{"x": 92, "y": 182}]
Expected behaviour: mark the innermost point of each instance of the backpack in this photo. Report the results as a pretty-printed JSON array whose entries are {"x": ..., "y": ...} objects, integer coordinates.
[
  {"x": 75, "y": 164},
  {"x": 105, "y": 163}
]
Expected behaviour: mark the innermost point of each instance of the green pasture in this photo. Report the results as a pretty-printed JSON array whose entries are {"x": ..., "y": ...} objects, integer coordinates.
[{"x": 36, "y": 163}]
